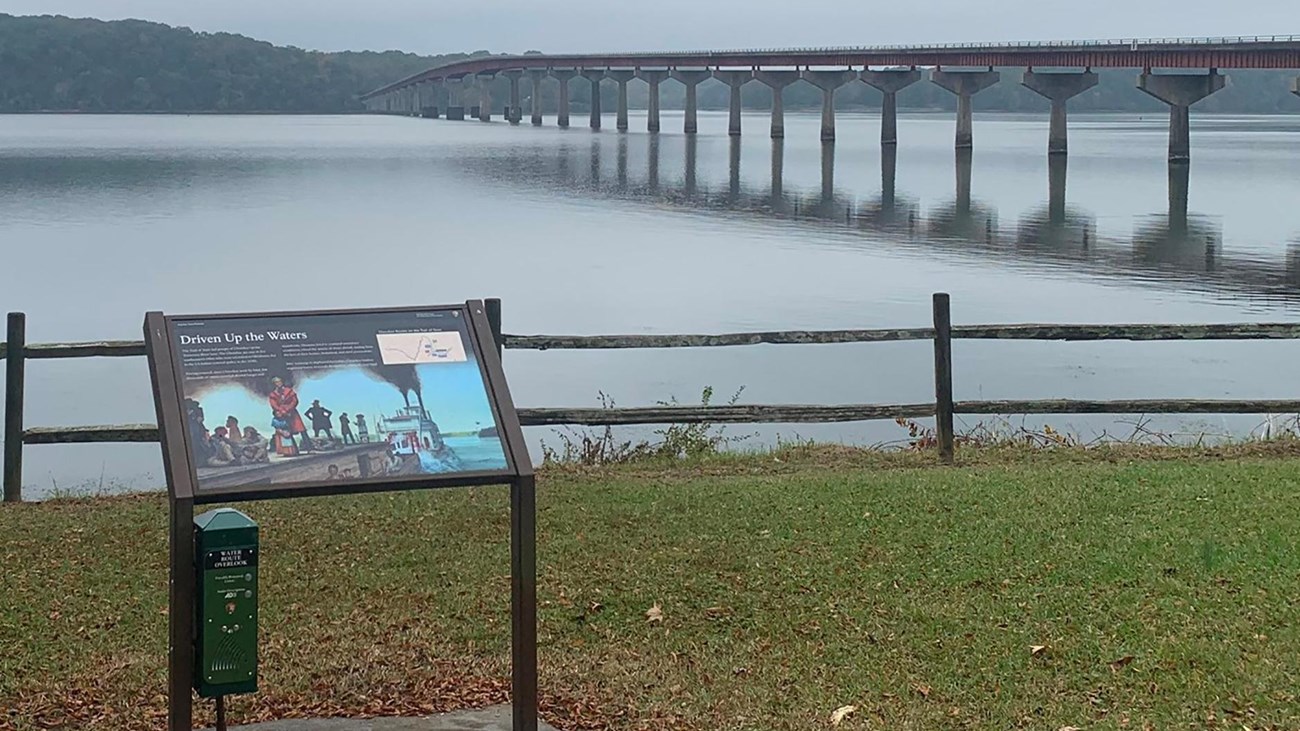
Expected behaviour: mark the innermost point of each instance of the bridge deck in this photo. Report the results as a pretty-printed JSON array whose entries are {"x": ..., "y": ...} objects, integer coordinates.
[{"x": 1255, "y": 52}]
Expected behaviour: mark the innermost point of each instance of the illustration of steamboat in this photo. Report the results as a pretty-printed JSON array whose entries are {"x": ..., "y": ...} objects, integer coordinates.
[{"x": 410, "y": 431}]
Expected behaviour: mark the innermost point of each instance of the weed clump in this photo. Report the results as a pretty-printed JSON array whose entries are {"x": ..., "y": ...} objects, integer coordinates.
[{"x": 599, "y": 447}]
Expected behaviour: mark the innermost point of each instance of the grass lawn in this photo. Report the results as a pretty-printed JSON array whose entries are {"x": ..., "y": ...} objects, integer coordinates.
[{"x": 1158, "y": 593}]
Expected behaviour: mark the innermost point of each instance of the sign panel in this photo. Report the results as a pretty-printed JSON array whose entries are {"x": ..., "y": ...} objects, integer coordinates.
[{"x": 335, "y": 398}]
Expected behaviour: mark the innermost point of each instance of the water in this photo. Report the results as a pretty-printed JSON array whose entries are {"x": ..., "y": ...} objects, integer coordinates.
[{"x": 103, "y": 218}]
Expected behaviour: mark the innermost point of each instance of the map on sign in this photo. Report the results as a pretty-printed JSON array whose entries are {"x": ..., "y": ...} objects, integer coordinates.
[{"x": 425, "y": 347}]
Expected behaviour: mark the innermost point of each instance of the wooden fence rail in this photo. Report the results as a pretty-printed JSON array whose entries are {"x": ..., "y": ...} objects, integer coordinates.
[
  {"x": 1066, "y": 333},
  {"x": 16, "y": 352}
]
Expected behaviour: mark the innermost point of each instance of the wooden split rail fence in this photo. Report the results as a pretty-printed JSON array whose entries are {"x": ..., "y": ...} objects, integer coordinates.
[{"x": 15, "y": 351}]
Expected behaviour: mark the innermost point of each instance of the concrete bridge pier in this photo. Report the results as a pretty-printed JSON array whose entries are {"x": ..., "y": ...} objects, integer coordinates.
[
  {"x": 595, "y": 76},
  {"x": 689, "y": 177},
  {"x": 828, "y": 171},
  {"x": 1057, "y": 175},
  {"x": 436, "y": 94},
  {"x": 1180, "y": 92},
  {"x": 563, "y": 77},
  {"x": 733, "y": 169},
  {"x": 485, "y": 96},
  {"x": 778, "y": 171},
  {"x": 777, "y": 81},
  {"x": 965, "y": 167},
  {"x": 535, "y": 102},
  {"x": 1059, "y": 88},
  {"x": 965, "y": 84},
  {"x": 888, "y": 178},
  {"x": 514, "y": 112},
  {"x": 652, "y": 162},
  {"x": 653, "y": 78},
  {"x": 828, "y": 82},
  {"x": 425, "y": 94},
  {"x": 1295, "y": 86},
  {"x": 455, "y": 99},
  {"x": 736, "y": 80},
  {"x": 691, "y": 79},
  {"x": 622, "y": 76},
  {"x": 890, "y": 83},
  {"x": 1179, "y": 189}
]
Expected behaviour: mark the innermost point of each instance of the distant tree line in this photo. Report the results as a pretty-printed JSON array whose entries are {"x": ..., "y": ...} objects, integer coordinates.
[{"x": 52, "y": 63}]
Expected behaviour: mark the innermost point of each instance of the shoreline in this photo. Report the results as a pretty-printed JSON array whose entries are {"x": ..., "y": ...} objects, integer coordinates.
[{"x": 583, "y": 111}]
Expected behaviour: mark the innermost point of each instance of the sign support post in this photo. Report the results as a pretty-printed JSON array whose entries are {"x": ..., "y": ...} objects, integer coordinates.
[
  {"x": 180, "y": 618},
  {"x": 523, "y": 603}
]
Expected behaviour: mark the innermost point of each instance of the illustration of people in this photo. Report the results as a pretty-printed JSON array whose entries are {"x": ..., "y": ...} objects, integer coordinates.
[
  {"x": 345, "y": 430},
  {"x": 253, "y": 448},
  {"x": 362, "y": 430},
  {"x": 223, "y": 451},
  {"x": 394, "y": 462},
  {"x": 285, "y": 419},
  {"x": 200, "y": 441},
  {"x": 334, "y": 473},
  {"x": 320, "y": 420},
  {"x": 232, "y": 428}
]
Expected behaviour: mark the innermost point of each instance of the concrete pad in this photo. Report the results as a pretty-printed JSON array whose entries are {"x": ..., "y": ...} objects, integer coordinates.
[{"x": 496, "y": 718}]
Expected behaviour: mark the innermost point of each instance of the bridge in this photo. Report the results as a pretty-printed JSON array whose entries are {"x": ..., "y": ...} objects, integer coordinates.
[{"x": 962, "y": 69}]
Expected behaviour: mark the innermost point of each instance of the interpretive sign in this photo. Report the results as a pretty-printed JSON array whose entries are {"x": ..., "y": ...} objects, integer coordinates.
[
  {"x": 306, "y": 400},
  {"x": 293, "y": 404}
]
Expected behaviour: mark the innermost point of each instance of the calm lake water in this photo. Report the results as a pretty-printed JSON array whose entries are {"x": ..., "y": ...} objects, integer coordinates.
[{"x": 103, "y": 218}]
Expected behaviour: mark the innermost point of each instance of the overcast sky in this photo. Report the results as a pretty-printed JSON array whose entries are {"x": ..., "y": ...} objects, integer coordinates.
[{"x": 558, "y": 26}]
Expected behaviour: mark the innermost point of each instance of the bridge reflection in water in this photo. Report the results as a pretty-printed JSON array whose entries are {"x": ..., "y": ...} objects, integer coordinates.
[{"x": 1174, "y": 247}]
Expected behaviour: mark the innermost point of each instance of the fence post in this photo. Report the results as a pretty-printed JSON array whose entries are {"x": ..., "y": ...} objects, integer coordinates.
[
  {"x": 492, "y": 306},
  {"x": 943, "y": 376},
  {"x": 15, "y": 362}
]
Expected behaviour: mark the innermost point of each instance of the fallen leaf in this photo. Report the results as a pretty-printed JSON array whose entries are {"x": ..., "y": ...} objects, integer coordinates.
[
  {"x": 922, "y": 690},
  {"x": 1069, "y": 728},
  {"x": 654, "y": 614},
  {"x": 1121, "y": 663},
  {"x": 842, "y": 713},
  {"x": 1036, "y": 650}
]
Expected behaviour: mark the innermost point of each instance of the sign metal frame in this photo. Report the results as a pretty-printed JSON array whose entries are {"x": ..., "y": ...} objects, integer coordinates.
[{"x": 167, "y": 380}]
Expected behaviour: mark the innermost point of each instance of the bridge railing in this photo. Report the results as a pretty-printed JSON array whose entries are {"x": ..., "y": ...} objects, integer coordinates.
[
  {"x": 16, "y": 352},
  {"x": 1118, "y": 42}
]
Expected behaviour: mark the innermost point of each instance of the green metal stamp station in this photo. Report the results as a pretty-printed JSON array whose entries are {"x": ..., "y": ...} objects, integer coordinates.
[{"x": 226, "y": 552}]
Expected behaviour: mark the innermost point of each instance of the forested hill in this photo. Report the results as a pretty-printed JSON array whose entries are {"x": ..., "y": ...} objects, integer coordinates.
[
  {"x": 50, "y": 63},
  {"x": 64, "y": 64}
]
